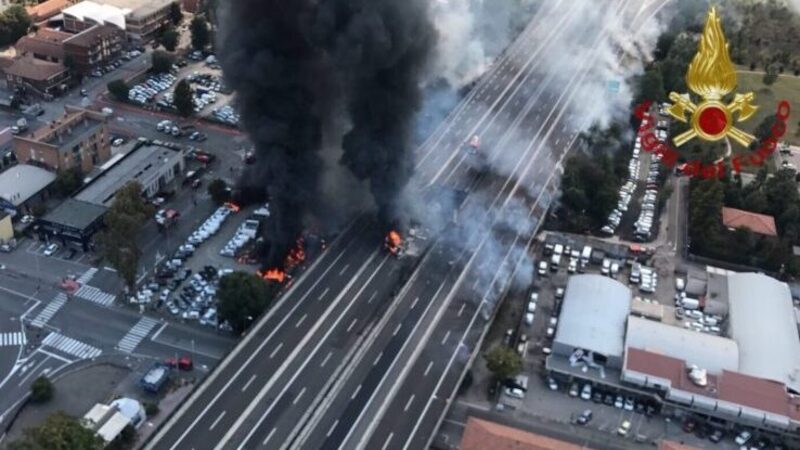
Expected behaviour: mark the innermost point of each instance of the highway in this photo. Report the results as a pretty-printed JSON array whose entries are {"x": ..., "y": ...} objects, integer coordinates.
[{"x": 343, "y": 359}]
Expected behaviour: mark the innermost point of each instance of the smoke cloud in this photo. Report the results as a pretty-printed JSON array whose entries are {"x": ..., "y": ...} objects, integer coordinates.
[{"x": 296, "y": 66}]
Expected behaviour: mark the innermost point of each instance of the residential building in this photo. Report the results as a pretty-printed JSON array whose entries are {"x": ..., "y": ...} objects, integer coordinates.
[
  {"x": 36, "y": 77},
  {"x": 141, "y": 19},
  {"x": 77, "y": 140},
  {"x": 735, "y": 362},
  {"x": 45, "y": 44},
  {"x": 84, "y": 15},
  {"x": 94, "y": 48},
  {"x": 47, "y": 9},
  {"x": 763, "y": 224},
  {"x": 73, "y": 221},
  {"x": 23, "y": 186}
]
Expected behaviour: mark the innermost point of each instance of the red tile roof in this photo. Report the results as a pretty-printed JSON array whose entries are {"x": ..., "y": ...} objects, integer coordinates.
[
  {"x": 47, "y": 9},
  {"x": 484, "y": 435},
  {"x": 34, "y": 69},
  {"x": 757, "y": 223},
  {"x": 44, "y": 42}
]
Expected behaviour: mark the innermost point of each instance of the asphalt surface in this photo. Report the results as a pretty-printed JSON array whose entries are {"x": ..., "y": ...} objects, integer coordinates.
[{"x": 343, "y": 360}]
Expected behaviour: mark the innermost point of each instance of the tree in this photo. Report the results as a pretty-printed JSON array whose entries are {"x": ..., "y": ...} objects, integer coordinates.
[
  {"x": 161, "y": 62},
  {"x": 201, "y": 36},
  {"x": 119, "y": 89},
  {"x": 175, "y": 13},
  {"x": 219, "y": 191},
  {"x": 151, "y": 409},
  {"x": 184, "y": 102},
  {"x": 125, "y": 439},
  {"x": 242, "y": 297},
  {"x": 68, "y": 181},
  {"x": 58, "y": 432},
  {"x": 169, "y": 39},
  {"x": 503, "y": 362},
  {"x": 651, "y": 86},
  {"x": 14, "y": 23},
  {"x": 41, "y": 390},
  {"x": 770, "y": 75},
  {"x": 126, "y": 216}
]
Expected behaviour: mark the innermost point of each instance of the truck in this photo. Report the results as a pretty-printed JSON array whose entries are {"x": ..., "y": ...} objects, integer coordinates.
[
  {"x": 558, "y": 249},
  {"x": 586, "y": 255},
  {"x": 155, "y": 378}
]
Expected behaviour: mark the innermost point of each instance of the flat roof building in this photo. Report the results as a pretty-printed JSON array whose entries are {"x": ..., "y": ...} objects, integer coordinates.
[
  {"x": 141, "y": 19},
  {"x": 73, "y": 220},
  {"x": 21, "y": 186}
]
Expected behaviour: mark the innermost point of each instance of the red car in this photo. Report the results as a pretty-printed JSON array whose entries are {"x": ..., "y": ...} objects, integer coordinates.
[{"x": 183, "y": 363}]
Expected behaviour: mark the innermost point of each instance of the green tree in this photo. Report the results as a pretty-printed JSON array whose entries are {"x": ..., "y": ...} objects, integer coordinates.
[
  {"x": 58, "y": 432},
  {"x": 161, "y": 62},
  {"x": 41, "y": 390},
  {"x": 242, "y": 297},
  {"x": 651, "y": 86},
  {"x": 14, "y": 23},
  {"x": 503, "y": 362},
  {"x": 119, "y": 89},
  {"x": 124, "y": 219},
  {"x": 151, "y": 409},
  {"x": 169, "y": 39},
  {"x": 219, "y": 191},
  {"x": 201, "y": 36},
  {"x": 770, "y": 75},
  {"x": 125, "y": 440},
  {"x": 183, "y": 100},
  {"x": 175, "y": 13},
  {"x": 68, "y": 181}
]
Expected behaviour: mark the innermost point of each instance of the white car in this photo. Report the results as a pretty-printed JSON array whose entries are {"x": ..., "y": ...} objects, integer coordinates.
[
  {"x": 680, "y": 285},
  {"x": 531, "y": 306},
  {"x": 529, "y": 319},
  {"x": 586, "y": 392},
  {"x": 743, "y": 438},
  {"x": 515, "y": 392},
  {"x": 51, "y": 249}
]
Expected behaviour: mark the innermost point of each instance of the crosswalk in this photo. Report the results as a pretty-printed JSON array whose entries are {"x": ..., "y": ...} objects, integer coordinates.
[
  {"x": 87, "y": 276},
  {"x": 12, "y": 338},
  {"x": 50, "y": 310},
  {"x": 93, "y": 294},
  {"x": 71, "y": 346},
  {"x": 131, "y": 340}
]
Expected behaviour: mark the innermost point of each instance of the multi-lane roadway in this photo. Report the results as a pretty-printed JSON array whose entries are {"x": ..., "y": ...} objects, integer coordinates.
[{"x": 345, "y": 359}]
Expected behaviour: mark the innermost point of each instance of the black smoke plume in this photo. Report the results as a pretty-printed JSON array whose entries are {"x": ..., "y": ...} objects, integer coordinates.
[{"x": 295, "y": 63}]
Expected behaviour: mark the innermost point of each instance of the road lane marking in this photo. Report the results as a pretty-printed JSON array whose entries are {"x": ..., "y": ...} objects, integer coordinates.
[
  {"x": 277, "y": 349},
  {"x": 247, "y": 385},
  {"x": 408, "y": 403},
  {"x": 344, "y": 269},
  {"x": 216, "y": 421},
  {"x": 297, "y": 399},
  {"x": 446, "y": 335},
  {"x": 325, "y": 361},
  {"x": 414, "y": 303},
  {"x": 428, "y": 369},
  {"x": 269, "y": 436},
  {"x": 358, "y": 389},
  {"x": 388, "y": 439},
  {"x": 372, "y": 297},
  {"x": 461, "y": 310},
  {"x": 32, "y": 371},
  {"x": 352, "y": 324},
  {"x": 321, "y": 296},
  {"x": 399, "y": 325},
  {"x": 330, "y": 430},
  {"x": 380, "y": 355},
  {"x": 300, "y": 322}
]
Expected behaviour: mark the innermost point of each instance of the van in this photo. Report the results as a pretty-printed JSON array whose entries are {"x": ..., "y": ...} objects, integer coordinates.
[
  {"x": 606, "y": 269},
  {"x": 555, "y": 261},
  {"x": 586, "y": 255},
  {"x": 558, "y": 249}
]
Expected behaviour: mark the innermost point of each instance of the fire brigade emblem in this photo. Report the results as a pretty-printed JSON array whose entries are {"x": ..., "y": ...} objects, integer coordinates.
[{"x": 711, "y": 76}]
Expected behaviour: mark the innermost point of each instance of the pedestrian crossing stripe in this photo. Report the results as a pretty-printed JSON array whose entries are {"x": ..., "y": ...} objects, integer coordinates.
[
  {"x": 136, "y": 334},
  {"x": 95, "y": 295},
  {"x": 87, "y": 276},
  {"x": 71, "y": 346},
  {"x": 49, "y": 311},
  {"x": 12, "y": 339}
]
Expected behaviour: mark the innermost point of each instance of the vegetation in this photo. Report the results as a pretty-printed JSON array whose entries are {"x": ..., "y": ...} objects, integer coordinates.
[
  {"x": 767, "y": 97},
  {"x": 175, "y": 14},
  {"x": 67, "y": 182},
  {"x": 184, "y": 102},
  {"x": 151, "y": 409},
  {"x": 126, "y": 216},
  {"x": 119, "y": 89},
  {"x": 41, "y": 390},
  {"x": 766, "y": 33},
  {"x": 201, "y": 35},
  {"x": 58, "y": 432},
  {"x": 14, "y": 23},
  {"x": 125, "y": 440},
  {"x": 219, "y": 191},
  {"x": 503, "y": 362},
  {"x": 161, "y": 62},
  {"x": 169, "y": 38},
  {"x": 242, "y": 298}
]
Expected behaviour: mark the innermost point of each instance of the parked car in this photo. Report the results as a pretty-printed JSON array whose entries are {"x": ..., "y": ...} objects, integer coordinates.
[
  {"x": 573, "y": 390},
  {"x": 585, "y": 417},
  {"x": 624, "y": 428},
  {"x": 586, "y": 392},
  {"x": 51, "y": 249},
  {"x": 743, "y": 438}
]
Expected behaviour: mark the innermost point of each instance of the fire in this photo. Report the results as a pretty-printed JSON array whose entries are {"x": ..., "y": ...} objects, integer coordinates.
[
  {"x": 296, "y": 255},
  {"x": 232, "y": 206},
  {"x": 393, "y": 242},
  {"x": 276, "y": 275}
]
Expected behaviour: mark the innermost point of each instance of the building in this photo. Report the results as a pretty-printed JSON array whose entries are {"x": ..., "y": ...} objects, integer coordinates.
[
  {"x": 6, "y": 228},
  {"x": 47, "y": 9},
  {"x": 45, "y": 44},
  {"x": 192, "y": 6},
  {"x": 152, "y": 166},
  {"x": 22, "y": 187},
  {"x": 106, "y": 421},
  {"x": 131, "y": 409},
  {"x": 482, "y": 434},
  {"x": 734, "y": 218},
  {"x": 77, "y": 140},
  {"x": 73, "y": 221},
  {"x": 94, "y": 48},
  {"x": 744, "y": 373},
  {"x": 141, "y": 19},
  {"x": 36, "y": 77}
]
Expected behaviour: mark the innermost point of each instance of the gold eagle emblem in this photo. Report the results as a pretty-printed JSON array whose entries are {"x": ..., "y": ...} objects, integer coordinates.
[{"x": 712, "y": 77}]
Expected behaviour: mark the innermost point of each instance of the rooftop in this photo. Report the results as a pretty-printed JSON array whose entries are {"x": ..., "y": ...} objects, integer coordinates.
[
  {"x": 34, "y": 69},
  {"x": 762, "y": 323},
  {"x": 140, "y": 8},
  {"x": 98, "y": 13},
  {"x": 21, "y": 182},
  {"x": 140, "y": 165},
  {"x": 593, "y": 314},
  {"x": 89, "y": 36},
  {"x": 481, "y": 434},
  {"x": 113, "y": 427},
  {"x": 46, "y": 9},
  {"x": 757, "y": 223},
  {"x": 71, "y": 128},
  {"x": 44, "y": 42},
  {"x": 75, "y": 214}
]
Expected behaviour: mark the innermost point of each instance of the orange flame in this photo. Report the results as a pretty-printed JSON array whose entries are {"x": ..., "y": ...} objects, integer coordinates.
[
  {"x": 276, "y": 275},
  {"x": 393, "y": 242},
  {"x": 232, "y": 206}
]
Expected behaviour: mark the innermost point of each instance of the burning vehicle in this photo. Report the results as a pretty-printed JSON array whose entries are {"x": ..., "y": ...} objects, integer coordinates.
[{"x": 394, "y": 243}]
